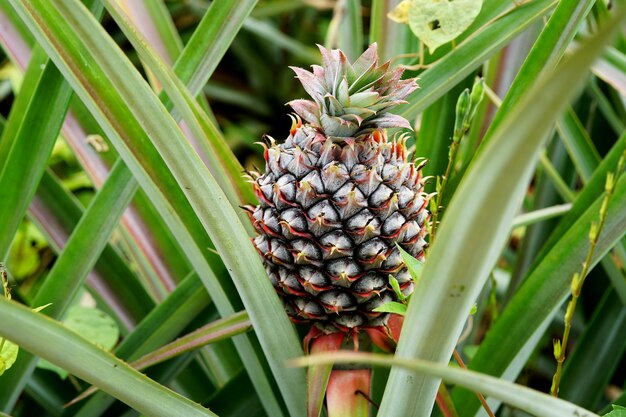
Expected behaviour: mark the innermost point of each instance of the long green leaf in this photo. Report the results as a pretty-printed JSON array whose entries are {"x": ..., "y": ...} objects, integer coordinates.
[
  {"x": 436, "y": 131},
  {"x": 27, "y": 141},
  {"x": 545, "y": 54},
  {"x": 611, "y": 68},
  {"x": 524, "y": 398},
  {"x": 540, "y": 215},
  {"x": 50, "y": 340},
  {"x": 606, "y": 108},
  {"x": 195, "y": 69},
  {"x": 157, "y": 52},
  {"x": 34, "y": 127},
  {"x": 87, "y": 241},
  {"x": 195, "y": 250},
  {"x": 19, "y": 33},
  {"x": 44, "y": 388},
  {"x": 140, "y": 227},
  {"x": 78, "y": 258},
  {"x": 230, "y": 178},
  {"x": 586, "y": 159},
  {"x": 155, "y": 12},
  {"x": 578, "y": 143},
  {"x": 121, "y": 100},
  {"x": 57, "y": 212},
  {"x": 213, "y": 332},
  {"x": 479, "y": 218}
]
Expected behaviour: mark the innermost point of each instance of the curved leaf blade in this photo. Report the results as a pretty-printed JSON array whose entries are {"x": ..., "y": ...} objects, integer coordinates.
[{"x": 524, "y": 398}]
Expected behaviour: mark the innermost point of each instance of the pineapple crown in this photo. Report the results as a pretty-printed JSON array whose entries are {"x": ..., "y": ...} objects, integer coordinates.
[{"x": 350, "y": 100}]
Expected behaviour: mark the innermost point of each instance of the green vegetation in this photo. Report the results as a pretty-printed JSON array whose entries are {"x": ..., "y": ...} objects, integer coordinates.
[{"x": 135, "y": 199}]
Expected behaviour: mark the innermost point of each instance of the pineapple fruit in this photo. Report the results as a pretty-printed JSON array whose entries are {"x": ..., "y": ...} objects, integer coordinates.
[{"x": 338, "y": 195}]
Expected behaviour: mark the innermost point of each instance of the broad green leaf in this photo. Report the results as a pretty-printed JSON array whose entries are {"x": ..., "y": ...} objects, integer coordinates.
[
  {"x": 93, "y": 325},
  {"x": 476, "y": 227},
  {"x": 400, "y": 13},
  {"x": 24, "y": 254},
  {"x": 471, "y": 53},
  {"x": 68, "y": 350},
  {"x": 438, "y": 22},
  {"x": 521, "y": 397},
  {"x": 8, "y": 354}
]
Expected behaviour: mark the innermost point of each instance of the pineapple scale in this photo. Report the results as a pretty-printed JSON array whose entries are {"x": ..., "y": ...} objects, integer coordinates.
[{"x": 329, "y": 218}]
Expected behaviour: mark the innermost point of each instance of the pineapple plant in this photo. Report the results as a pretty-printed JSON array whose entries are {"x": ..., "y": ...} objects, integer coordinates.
[{"x": 338, "y": 198}]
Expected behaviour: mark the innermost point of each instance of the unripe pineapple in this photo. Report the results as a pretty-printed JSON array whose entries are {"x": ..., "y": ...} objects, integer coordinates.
[{"x": 337, "y": 196}]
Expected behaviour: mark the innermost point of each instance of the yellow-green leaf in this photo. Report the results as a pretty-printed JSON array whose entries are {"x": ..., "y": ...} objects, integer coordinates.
[
  {"x": 437, "y": 22},
  {"x": 38, "y": 309},
  {"x": 415, "y": 266},
  {"x": 400, "y": 13},
  {"x": 24, "y": 254},
  {"x": 392, "y": 307},
  {"x": 8, "y": 354}
]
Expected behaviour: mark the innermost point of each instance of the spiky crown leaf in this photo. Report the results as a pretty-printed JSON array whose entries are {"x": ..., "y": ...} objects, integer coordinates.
[{"x": 350, "y": 100}]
